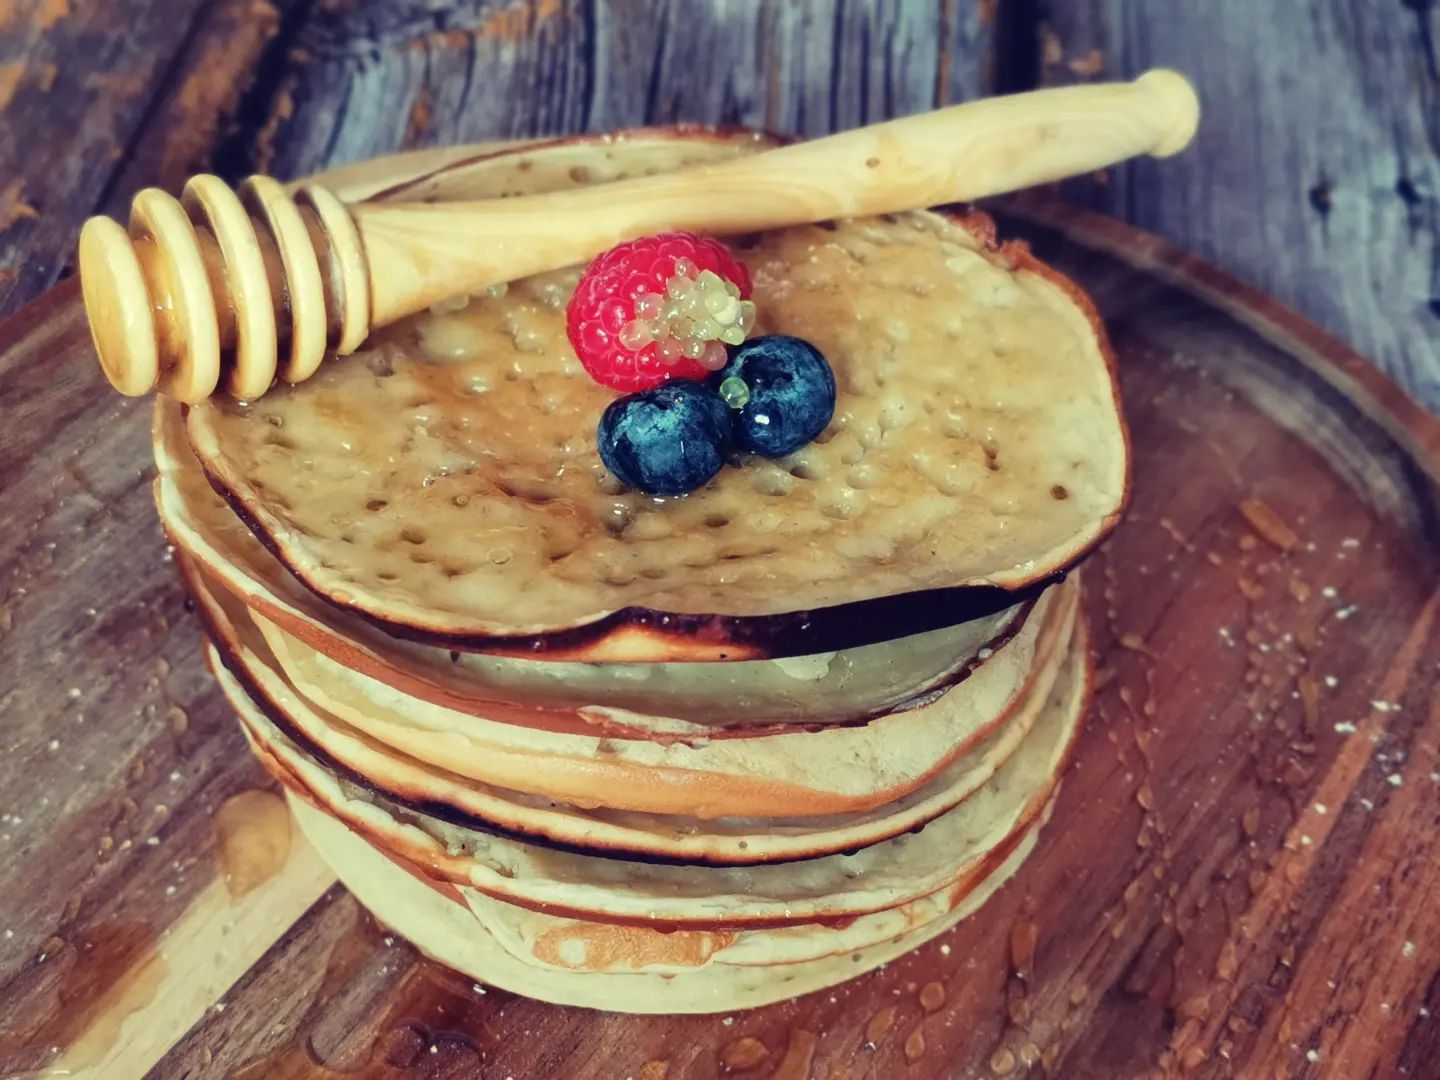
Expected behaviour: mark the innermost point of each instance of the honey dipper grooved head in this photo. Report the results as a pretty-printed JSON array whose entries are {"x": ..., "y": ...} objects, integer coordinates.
[{"x": 118, "y": 306}]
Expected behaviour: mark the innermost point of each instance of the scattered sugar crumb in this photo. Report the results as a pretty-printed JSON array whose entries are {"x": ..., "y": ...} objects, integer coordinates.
[
  {"x": 175, "y": 777},
  {"x": 1408, "y": 949},
  {"x": 1344, "y": 727},
  {"x": 9, "y": 934},
  {"x": 169, "y": 890},
  {"x": 54, "y": 744},
  {"x": 478, "y": 989},
  {"x": 1346, "y": 612},
  {"x": 73, "y": 693},
  {"x": 1394, "y": 779},
  {"x": 1331, "y": 682},
  {"x": 1424, "y": 1011},
  {"x": 1350, "y": 542},
  {"x": 1329, "y": 592},
  {"x": 1321, "y": 808},
  {"x": 1367, "y": 804},
  {"x": 1227, "y": 637},
  {"x": 153, "y": 841},
  {"x": 1312, "y": 1055},
  {"x": 728, "y": 1021},
  {"x": 1306, "y": 841},
  {"x": 944, "y": 950}
]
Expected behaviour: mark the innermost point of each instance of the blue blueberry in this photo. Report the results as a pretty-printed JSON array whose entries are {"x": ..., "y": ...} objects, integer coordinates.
[
  {"x": 667, "y": 440},
  {"x": 791, "y": 394}
]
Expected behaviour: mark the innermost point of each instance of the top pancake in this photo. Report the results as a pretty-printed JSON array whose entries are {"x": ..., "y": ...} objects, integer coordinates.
[{"x": 445, "y": 480}]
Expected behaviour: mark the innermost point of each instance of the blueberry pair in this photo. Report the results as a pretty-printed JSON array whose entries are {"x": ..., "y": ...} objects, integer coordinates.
[{"x": 773, "y": 397}]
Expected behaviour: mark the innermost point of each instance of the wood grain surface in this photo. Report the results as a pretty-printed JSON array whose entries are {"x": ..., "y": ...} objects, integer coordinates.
[{"x": 1239, "y": 880}]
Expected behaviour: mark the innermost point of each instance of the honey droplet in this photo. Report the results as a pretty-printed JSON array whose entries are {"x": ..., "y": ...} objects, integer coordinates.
[
  {"x": 1195, "y": 1007},
  {"x": 1227, "y": 964},
  {"x": 932, "y": 996},
  {"x": 1002, "y": 1062},
  {"x": 179, "y": 719},
  {"x": 1250, "y": 822},
  {"x": 1268, "y": 524},
  {"x": 252, "y": 839},
  {"x": 1023, "y": 935},
  {"x": 879, "y": 1026},
  {"x": 1133, "y": 890},
  {"x": 744, "y": 1053},
  {"x": 915, "y": 1045}
]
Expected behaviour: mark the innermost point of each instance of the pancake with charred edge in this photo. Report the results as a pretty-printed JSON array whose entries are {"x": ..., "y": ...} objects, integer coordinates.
[{"x": 444, "y": 485}]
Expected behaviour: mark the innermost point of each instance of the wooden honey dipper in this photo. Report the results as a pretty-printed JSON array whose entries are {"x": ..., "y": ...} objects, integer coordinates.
[{"x": 215, "y": 270}]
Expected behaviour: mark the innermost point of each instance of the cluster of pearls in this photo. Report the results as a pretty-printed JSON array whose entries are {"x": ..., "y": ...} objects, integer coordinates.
[{"x": 696, "y": 317}]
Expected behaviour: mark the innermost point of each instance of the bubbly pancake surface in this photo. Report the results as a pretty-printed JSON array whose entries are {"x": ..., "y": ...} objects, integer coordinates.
[
  {"x": 447, "y": 477},
  {"x": 681, "y": 698}
]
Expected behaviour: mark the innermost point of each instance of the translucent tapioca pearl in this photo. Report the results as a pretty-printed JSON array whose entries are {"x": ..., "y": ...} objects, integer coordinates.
[
  {"x": 747, "y": 315},
  {"x": 669, "y": 350},
  {"x": 499, "y": 289},
  {"x": 636, "y": 335},
  {"x": 722, "y": 305},
  {"x": 693, "y": 348},
  {"x": 679, "y": 286},
  {"x": 648, "y": 306},
  {"x": 685, "y": 268}
]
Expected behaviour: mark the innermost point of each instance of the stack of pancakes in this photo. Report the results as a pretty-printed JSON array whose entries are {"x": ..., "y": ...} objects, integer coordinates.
[{"x": 668, "y": 755}]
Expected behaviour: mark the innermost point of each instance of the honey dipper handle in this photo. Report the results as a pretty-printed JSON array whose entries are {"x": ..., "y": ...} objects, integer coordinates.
[
  {"x": 250, "y": 285},
  {"x": 419, "y": 255}
]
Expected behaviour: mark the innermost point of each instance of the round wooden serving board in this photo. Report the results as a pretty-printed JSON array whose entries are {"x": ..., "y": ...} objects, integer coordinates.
[{"x": 1238, "y": 880}]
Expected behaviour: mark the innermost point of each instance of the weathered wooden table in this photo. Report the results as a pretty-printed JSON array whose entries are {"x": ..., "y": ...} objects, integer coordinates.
[{"x": 1273, "y": 906}]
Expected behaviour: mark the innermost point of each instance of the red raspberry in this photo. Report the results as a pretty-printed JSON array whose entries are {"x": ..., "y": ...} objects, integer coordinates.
[{"x": 646, "y": 312}]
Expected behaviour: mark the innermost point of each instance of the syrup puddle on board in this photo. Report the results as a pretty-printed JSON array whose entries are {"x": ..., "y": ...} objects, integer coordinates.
[{"x": 252, "y": 839}]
